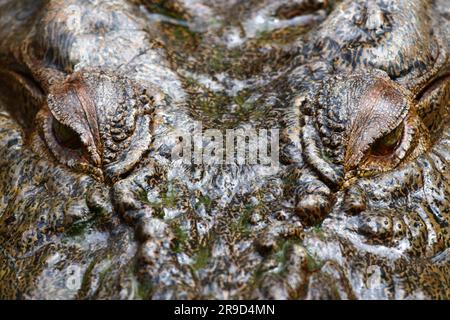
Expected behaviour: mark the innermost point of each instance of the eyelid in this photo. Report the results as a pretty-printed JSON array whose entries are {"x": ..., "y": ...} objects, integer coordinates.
[
  {"x": 73, "y": 100},
  {"x": 382, "y": 105}
]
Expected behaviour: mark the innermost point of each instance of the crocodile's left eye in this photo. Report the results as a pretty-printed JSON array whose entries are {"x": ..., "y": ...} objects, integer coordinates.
[
  {"x": 396, "y": 146},
  {"x": 386, "y": 145},
  {"x": 384, "y": 128}
]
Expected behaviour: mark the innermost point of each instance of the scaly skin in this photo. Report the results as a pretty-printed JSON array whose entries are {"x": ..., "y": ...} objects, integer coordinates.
[{"x": 91, "y": 91}]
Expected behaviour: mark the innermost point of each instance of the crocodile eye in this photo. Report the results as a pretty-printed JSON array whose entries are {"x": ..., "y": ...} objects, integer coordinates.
[
  {"x": 392, "y": 148},
  {"x": 65, "y": 136},
  {"x": 387, "y": 144}
]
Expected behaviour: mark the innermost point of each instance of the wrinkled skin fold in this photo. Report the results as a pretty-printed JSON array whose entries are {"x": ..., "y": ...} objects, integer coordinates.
[{"x": 92, "y": 94}]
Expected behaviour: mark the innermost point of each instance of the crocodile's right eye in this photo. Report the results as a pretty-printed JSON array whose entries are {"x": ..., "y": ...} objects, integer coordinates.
[
  {"x": 66, "y": 144},
  {"x": 66, "y": 136},
  {"x": 67, "y": 125}
]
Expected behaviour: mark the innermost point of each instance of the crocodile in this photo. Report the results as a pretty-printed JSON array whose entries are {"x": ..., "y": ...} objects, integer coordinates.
[{"x": 95, "y": 96}]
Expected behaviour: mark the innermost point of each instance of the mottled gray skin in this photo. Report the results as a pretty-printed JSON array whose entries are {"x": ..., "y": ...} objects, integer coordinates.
[{"x": 91, "y": 205}]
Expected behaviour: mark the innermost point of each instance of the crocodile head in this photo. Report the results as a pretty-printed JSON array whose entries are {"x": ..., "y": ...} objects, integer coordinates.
[{"x": 367, "y": 91}]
